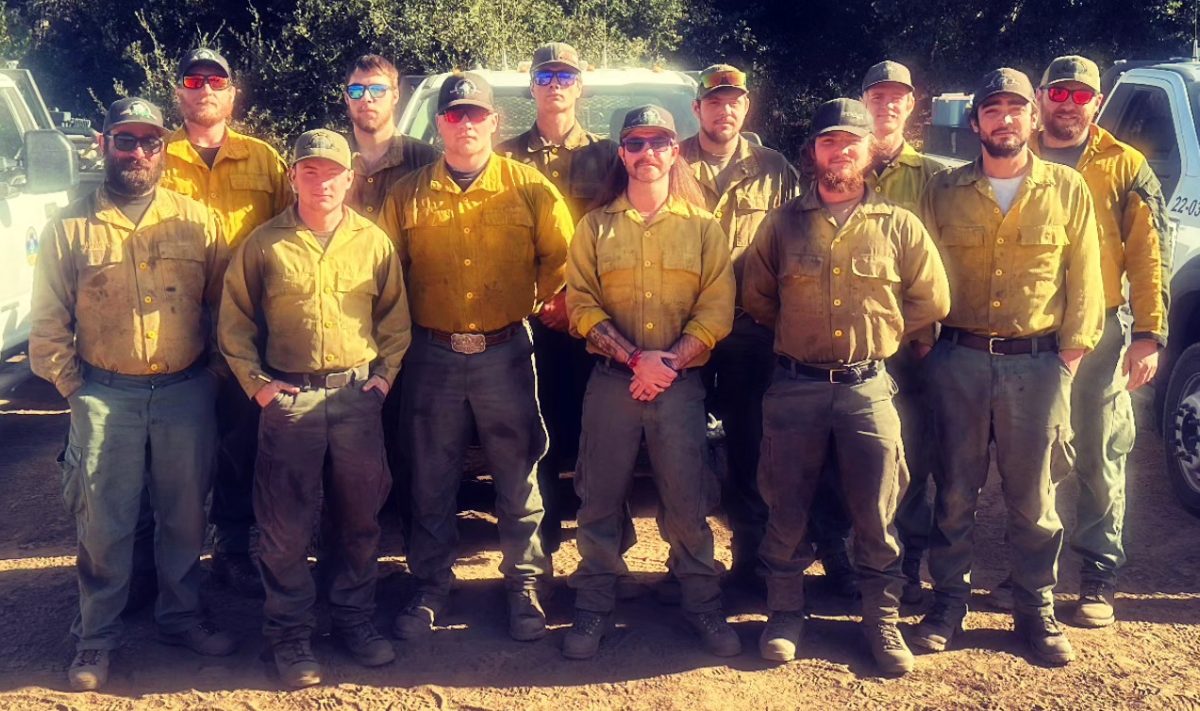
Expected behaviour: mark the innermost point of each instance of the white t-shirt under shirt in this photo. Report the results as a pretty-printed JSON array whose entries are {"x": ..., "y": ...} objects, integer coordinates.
[{"x": 1006, "y": 190}]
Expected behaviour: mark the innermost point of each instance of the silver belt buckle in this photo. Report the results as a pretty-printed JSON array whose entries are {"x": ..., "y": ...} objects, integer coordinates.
[
  {"x": 339, "y": 380},
  {"x": 992, "y": 346},
  {"x": 468, "y": 343}
]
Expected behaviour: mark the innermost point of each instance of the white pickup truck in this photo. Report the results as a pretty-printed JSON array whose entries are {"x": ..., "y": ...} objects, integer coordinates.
[
  {"x": 38, "y": 168},
  {"x": 1155, "y": 107}
]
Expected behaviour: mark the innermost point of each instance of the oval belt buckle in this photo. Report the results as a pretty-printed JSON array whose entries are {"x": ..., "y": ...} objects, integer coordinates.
[{"x": 468, "y": 343}]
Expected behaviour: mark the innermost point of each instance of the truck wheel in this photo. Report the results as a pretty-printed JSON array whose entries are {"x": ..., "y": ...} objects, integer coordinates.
[{"x": 1181, "y": 428}]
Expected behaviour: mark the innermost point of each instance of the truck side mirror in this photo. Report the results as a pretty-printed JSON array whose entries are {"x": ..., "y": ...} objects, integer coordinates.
[{"x": 50, "y": 163}]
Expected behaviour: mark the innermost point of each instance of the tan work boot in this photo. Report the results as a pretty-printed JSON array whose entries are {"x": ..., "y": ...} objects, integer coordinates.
[
  {"x": 715, "y": 633},
  {"x": 366, "y": 645},
  {"x": 417, "y": 618},
  {"x": 583, "y": 639},
  {"x": 526, "y": 618},
  {"x": 940, "y": 626},
  {"x": 781, "y": 637},
  {"x": 296, "y": 664},
  {"x": 89, "y": 669},
  {"x": 1095, "y": 608},
  {"x": 1045, "y": 638},
  {"x": 203, "y": 638},
  {"x": 888, "y": 647}
]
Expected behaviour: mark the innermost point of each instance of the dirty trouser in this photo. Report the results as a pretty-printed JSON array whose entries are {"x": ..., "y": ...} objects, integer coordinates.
[
  {"x": 1102, "y": 418},
  {"x": 805, "y": 421},
  {"x": 737, "y": 376},
  {"x": 232, "y": 512},
  {"x": 319, "y": 446},
  {"x": 130, "y": 434},
  {"x": 674, "y": 427},
  {"x": 444, "y": 393},
  {"x": 1021, "y": 404},
  {"x": 914, "y": 516}
]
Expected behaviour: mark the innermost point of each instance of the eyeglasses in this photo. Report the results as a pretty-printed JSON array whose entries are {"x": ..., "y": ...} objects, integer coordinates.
[
  {"x": 127, "y": 143},
  {"x": 637, "y": 145},
  {"x": 565, "y": 78},
  {"x": 458, "y": 114},
  {"x": 1079, "y": 97},
  {"x": 358, "y": 91},
  {"x": 197, "y": 81},
  {"x": 732, "y": 78}
]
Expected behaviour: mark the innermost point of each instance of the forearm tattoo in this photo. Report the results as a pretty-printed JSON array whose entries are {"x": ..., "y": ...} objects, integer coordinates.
[
  {"x": 605, "y": 338},
  {"x": 687, "y": 349}
]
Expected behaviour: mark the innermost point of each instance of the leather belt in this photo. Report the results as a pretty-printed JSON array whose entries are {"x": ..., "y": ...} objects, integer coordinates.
[
  {"x": 471, "y": 343},
  {"x": 331, "y": 381},
  {"x": 1001, "y": 346},
  {"x": 111, "y": 378},
  {"x": 851, "y": 374}
]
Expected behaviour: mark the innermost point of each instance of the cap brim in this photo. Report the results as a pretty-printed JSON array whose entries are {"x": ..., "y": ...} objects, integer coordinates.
[
  {"x": 877, "y": 82},
  {"x": 162, "y": 130},
  {"x": 559, "y": 62},
  {"x": 626, "y": 131},
  {"x": 331, "y": 159},
  {"x": 705, "y": 92},
  {"x": 978, "y": 101},
  {"x": 211, "y": 62},
  {"x": 1071, "y": 80},
  {"x": 467, "y": 102},
  {"x": 855, "y": 130}
]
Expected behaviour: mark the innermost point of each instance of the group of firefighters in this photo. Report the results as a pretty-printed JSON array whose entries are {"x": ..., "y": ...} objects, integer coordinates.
[{"x": 221, "y": 321}]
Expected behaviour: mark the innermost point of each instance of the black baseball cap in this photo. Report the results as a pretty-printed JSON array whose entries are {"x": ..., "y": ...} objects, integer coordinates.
[
  {"x": 465, "y": 89},
  {"x": 204, "y": 55},
  {"x": 847, "y": 115},
  {"x": 648, "y": 116},
  {"x": 133, "y": 110},
  {"x": 1003, "y": 81},
  {"x": 887, "y": 71}
]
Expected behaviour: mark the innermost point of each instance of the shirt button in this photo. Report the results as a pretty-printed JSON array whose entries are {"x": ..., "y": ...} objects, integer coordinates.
[
  {"x": 647, "y": 263},
  {"x": 837, "y": 271},
  {"x": 837, "y": 302},
  {"x": 370, "y": 209},
  {"x": 999, "y": 240},
  {"x": 213, "y": 196},
  {"x": 470, "y": 295},
  {"x": 143, "y": 266},
  {"x": 328, "y": 324},
  {"x": 649, "y": 326},
  {"x": 995, "y": 304},
  {"x": 646, "y": 233},
  {"x": 471, "y": 326},
  {"x": 151, "y": 335},
  {"x": 555, "y": 152},
  {"x": 466, "y": 230},
  {"x": 466, "y": 262},
  {"x": 649, "y": 294},
  {"x": 996, "y": 210},
  {"x": 999, "y": 272},
  {"x": 329, "y": 290},
  {"x": 154, "y": 367},
  {"x": 717, "y": 214},
  {"x": 554, "y": 173},
  {"x": 148, "y": 300},
  {"x": 329, "y": 358},
  {"x": 878, "y": 189},
  {"x": 837, "y": 333},
  {"x": 370, "y": 180}
]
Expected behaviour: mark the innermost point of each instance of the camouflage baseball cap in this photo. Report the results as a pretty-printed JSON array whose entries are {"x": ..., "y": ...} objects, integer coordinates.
[
  {"x": 887, "y": 71},
  {"x": 322, "y": 143},
  {"x": 203, "y": 55},
  {"x": 648, "y": 116},
  {"x": 1072, "y": 68},
  {"x": 133, "y": 110},
  {"x": 721, "y": 76},
  {"x": 556, "y": 53},
  {"x": 1003, "y": 81},
  {"x": 466, "y": 89},
  {"x": 847, "y": 115}
]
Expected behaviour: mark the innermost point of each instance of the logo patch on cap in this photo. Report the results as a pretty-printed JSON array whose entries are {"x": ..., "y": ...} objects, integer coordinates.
[
  {"x": 138, "y": 109},
  {"x": 204, "y": 54},
  {"x": 465, "y": 88},
  {"x": 320, "y": 142},
  {"x": 651, "y": 117}
]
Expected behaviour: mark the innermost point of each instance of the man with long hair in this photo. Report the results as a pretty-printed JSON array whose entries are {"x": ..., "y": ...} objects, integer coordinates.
[
  {"x": 841, "y": 276},
  {"x": 651, "y": 288}
]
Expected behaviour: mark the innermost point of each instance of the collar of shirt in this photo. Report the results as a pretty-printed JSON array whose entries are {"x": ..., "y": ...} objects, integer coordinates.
[
  {"x": 1099, "y": 143},
  {"x": 392, "y": 157},
  {"x": 160, "y": 209},
  {"x": 489, "y": 180},
  {"x": 674, "y": 205},
  {"x": 872, "y": 204},
  {"x": 351, "y": 223},
  {"x": 743, "y": 164},
  {"x": 232, "y": 148},
  {"x": 1036, "y": 175},
  {"x": 575, "y": 138}
]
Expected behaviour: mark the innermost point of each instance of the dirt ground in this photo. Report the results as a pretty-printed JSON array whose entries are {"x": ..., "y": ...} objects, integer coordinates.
[{"x": 1150, "y": 659}]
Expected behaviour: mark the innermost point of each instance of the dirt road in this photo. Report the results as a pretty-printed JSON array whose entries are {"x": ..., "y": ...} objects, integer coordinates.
[{"x": 1150, "y": 659}]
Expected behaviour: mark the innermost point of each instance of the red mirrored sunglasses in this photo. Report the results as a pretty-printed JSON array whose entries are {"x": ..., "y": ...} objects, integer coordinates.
[
  {"x": 458, "y": 113},
  {"x": 1079, "y": 97},
  {"x": 732, "y": 78},
  {"x": 197, "y": 81}
]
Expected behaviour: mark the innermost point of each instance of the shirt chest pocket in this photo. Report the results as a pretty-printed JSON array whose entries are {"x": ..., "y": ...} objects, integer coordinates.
[
  {"x": 876, "y": 282},
  {"x": 752, "y": 207},
  {"x": 955, "y": 236},
  {"x": 250, "y": 182},
  {"x": 1040, "y": 254},
  {"x": 356, "y": 282},
  {"x": 508, "y": 233},
  {"x": 99, "y": 265},
  {"x": 290, "y": 283},
  {"x": 800, "y": 282},
  {"x": 181, "y": 270}
]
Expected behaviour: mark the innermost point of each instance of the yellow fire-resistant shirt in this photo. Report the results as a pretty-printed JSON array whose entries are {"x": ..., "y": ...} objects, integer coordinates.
[
  {"x": 579, "y": 167},
  {"x": 1134, "y": 239},
  {"x": 372, "y": 185},
  {"x": 246, "y": 186},
  {"x": 757, "y": 179},
  {"x": 656, "y": 280},
  {"x": 843, "y": 295},
  {"x": 479, "y": 260},
  {"x": 905, "y": 178},
  {"x": 133, "y": 300},
  {"x": 1030, "y": 272},
  {"x": 293, "y": 306}
]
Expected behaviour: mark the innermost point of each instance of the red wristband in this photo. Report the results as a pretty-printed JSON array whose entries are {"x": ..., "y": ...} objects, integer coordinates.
[{"x": 633, "y": 359}]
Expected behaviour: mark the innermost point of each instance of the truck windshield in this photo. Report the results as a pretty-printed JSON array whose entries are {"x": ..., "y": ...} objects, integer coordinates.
[
  {"x": 600, "y": 111},
  {"x": 15, "y": 120}
]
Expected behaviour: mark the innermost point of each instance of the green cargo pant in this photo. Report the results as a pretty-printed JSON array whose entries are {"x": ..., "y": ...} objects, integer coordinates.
[
  {"x": 131, "y": 434},
  {"x": 914, "y": 516},
  {"x": 1102, "y": 417},
  {"x": 1021, "y": 404},
  {"x": 674, "y": 428},
  {"x": 806, "y": 421}
]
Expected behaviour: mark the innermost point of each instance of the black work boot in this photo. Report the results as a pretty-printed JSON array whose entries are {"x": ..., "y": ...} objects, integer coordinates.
[
  {"x": 939, "y": 626},
  {"x": 840, "y": 576},
  {"x": 1044, "y": 637},
  {"x": 911, "y": 568},
  {"x": 587, "y": 630}
]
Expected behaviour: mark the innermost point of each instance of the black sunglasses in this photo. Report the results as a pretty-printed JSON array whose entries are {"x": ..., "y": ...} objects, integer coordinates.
[{"x": 127, "y": 143}]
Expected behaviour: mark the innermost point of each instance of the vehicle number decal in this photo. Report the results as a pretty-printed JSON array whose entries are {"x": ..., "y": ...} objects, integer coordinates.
[{"x": 1186, "y": 206}]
